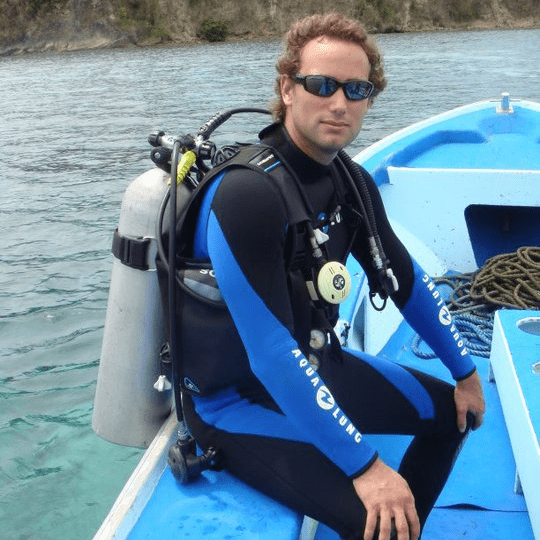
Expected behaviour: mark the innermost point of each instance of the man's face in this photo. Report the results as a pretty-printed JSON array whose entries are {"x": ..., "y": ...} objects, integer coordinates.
[{"x": 321, "y": 126}]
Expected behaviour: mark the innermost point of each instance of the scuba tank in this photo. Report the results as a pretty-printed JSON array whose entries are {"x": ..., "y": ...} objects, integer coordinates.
[
  {"x": 127, "y": 409},
  {"x": 134, "y": 394}
]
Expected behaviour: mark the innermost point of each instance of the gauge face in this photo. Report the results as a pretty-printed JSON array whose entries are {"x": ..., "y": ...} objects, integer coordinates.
[{"x": 334, "y": 282}]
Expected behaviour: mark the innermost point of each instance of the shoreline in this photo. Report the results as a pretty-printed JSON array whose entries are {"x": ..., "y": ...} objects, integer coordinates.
[{"x": 127, "y": 41}]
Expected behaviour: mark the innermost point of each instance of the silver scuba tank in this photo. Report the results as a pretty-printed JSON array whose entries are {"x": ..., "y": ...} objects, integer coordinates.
[
  {"x": 131, "y": 402},
  {"x": 128, "y": 409}
]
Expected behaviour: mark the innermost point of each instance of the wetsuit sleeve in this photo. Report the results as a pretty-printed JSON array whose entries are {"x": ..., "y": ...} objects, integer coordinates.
[
  {"x": 417, "y": 298},
  {"x": 427, "y": 313},
  {"x": 246, "y": 240}
]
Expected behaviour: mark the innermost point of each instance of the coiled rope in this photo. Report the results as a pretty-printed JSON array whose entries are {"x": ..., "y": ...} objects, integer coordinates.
[{"x": 509, "y": 280}]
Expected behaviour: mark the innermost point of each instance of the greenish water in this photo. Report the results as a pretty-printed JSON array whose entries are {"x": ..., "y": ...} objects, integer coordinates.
[{"x": 74, "y": 130}]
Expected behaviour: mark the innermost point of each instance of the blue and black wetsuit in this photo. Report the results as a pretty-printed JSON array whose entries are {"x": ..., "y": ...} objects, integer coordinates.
[{"x": 292, "y": 428}]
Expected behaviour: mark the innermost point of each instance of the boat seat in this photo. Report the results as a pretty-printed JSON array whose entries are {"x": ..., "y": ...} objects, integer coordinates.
[
  {"x": 217, "y": 505},
  {"x": 422, "y": 197},
  {"x": 515, "y": 367}
]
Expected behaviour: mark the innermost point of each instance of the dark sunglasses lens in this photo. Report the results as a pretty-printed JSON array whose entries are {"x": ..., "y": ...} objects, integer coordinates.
[
  {"x": 358, "y": 90},
  {"x": 328, "y": 87},
  {"x": 320, "y": 86}
]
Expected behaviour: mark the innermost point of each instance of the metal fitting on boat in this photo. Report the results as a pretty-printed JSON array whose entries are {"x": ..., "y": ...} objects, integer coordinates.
[{"x": 505, "y": 107}]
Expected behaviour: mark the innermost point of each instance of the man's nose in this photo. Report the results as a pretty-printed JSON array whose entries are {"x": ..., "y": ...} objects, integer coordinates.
[{"x": 339, "y": 101}]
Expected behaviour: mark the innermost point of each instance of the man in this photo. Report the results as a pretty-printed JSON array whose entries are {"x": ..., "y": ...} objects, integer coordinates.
[{"x": 289, "y": 420}]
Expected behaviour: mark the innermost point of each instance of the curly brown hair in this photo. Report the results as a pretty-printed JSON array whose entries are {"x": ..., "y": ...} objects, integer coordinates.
[{"x": 332, "y": 25}]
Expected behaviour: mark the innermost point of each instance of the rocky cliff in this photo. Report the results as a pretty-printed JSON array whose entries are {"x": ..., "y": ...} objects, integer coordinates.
[{"x": 43, "y": 25}]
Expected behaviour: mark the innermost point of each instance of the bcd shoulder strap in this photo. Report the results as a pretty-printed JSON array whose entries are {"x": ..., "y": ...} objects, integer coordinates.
[
  {"x": 257, "y": 157},
  {"x": 264, "y": 158}
]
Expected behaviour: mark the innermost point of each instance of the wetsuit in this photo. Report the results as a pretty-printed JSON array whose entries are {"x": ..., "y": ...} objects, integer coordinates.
[{"x": 291, "y": 428}]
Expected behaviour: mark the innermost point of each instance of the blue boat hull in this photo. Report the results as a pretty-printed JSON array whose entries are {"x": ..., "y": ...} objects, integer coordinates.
[{"x": 445, "y": 182}]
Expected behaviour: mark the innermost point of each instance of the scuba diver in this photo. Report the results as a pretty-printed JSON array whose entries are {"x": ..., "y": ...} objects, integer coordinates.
[{"x": 266, "y": 381}]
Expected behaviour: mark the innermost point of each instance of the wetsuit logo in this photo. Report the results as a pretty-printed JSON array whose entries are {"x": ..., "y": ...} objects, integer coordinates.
[
  {"x": 444, "y": 316},
  {"x": 325, "y": 400}
]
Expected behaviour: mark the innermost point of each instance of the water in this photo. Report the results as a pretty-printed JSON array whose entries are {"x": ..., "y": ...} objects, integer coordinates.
[{"x": 74, "y": 130}]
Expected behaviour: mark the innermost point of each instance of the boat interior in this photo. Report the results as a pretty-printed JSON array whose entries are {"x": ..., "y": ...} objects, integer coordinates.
[{"x": 453, "y": 210}]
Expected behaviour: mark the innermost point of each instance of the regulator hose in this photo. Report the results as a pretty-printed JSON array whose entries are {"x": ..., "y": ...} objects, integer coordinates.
[
  {"x": 171, "y": 296},
  {"x": 221, "y": 117},
  {"x": 183, "y": 460},
  {"x": 386, "y": 281}
]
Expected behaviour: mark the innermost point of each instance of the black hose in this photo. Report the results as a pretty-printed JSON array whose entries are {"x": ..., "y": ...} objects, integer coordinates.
[
  {"x": 159, "y": 231},
  {"x": 171, "y": 278},
  {"x": 386, "y": 282},
  {"x": 363, "y": 196},
  {"x": 219, "y": 118}
]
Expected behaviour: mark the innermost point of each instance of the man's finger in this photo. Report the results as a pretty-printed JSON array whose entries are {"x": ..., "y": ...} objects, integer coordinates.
[
  {"x": 478, "y": 419},
  {"x": 385, "y": 526},
  {"x": 462, "y": 421},
  {"x": 414, "y": 523},
  {"x": 371, "y": 524},
  {"x": 402, "y": 527}
]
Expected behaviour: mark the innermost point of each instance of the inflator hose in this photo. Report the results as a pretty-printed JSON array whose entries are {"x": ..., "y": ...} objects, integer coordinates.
[{"x": 171, "y": 296}]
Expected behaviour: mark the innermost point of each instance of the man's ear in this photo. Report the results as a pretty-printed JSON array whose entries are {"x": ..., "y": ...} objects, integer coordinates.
[{"x": 286, "y": 85}]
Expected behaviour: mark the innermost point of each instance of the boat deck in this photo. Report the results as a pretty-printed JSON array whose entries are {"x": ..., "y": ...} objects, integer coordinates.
[{"x": 478, "y": 502}]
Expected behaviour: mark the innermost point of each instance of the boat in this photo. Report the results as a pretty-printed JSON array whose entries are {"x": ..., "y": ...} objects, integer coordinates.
[{"x": 461, "y": 189}]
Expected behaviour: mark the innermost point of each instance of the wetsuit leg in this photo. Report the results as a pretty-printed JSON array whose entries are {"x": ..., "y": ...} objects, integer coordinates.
[
  {"x": 379, "y": 397},
  {"x": 292, "y": 472},
  {"x": 392, "y": 399}
]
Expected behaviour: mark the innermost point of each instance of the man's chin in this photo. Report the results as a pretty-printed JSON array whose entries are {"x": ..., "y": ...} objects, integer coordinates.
[{"x": 332, "y": 145}]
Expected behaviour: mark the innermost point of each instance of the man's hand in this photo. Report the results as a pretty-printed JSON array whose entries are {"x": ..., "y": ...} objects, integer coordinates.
[
  {"x": 386, "y": 496},
  {"x": 469, "y": 397}
]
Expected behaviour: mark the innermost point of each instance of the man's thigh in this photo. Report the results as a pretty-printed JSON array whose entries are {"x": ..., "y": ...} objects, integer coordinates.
[{"x": 380, "y": 396}]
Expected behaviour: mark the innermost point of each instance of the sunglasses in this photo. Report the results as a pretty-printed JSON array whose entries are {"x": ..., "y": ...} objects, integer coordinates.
[{"x": 324, "y": 86}]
